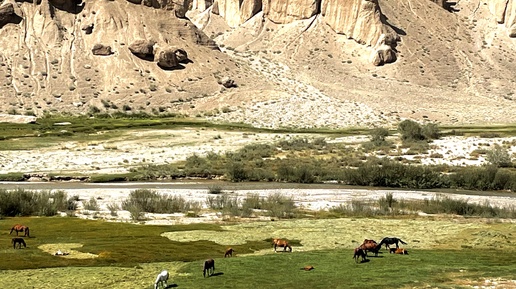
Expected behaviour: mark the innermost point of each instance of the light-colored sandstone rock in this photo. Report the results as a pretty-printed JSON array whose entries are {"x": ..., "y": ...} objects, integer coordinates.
[
  {"x": 357, "y": 19},
  {"x": 280, "y": 11},
  {"x": 142, "y": 48}
]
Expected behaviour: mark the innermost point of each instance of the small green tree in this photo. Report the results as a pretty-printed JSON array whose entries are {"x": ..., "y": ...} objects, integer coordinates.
[
  {"x": 413, "y": 131},
  {"x": 410, "y": 130}
]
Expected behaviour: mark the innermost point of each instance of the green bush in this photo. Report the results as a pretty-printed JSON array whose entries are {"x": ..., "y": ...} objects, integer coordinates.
[
  {"x": 149, "y": 201},
  {"x": 21, "y": 202},
  {"x": 378, "y": 135},
  {"x": 412, "y": 131},
  {"x": 499, "y": 157}
]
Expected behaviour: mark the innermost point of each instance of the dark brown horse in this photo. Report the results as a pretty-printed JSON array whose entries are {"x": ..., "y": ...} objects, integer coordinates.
[
  {"x": 20, "y": 228},
  {"x": 229, "y": 252},
  {"x": 359, "y": 253},
  {"x": 281, "y": 243},
  {"x": 371, "y": 246},
  {"x": 208, "y": 267},
  {"x": 391, "y": 241},
  {"x": 18, "y": 241}
]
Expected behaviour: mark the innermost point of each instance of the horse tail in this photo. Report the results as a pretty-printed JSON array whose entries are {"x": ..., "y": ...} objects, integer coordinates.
[
  {"x": 402, "y": 242},
  {"x": 12, "y": 229}
]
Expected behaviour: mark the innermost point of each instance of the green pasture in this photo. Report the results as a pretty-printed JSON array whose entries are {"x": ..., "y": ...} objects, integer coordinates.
[{"x": 444, "y": 252}]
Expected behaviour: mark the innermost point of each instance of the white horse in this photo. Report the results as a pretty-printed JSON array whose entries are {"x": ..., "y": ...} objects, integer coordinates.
[{"x": 161, "y": 279}]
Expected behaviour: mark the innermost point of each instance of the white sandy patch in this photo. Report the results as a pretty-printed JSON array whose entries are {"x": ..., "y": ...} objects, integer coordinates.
[{"x": 67, "y": 249}]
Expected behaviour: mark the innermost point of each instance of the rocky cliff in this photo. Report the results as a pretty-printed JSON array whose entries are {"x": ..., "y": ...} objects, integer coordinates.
[{"x": 264, "y": 62}]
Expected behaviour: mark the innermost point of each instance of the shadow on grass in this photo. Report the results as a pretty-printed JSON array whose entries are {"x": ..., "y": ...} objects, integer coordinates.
[
  {"x": 217, "y": 274},
  {"x": 171, "y": 286}
]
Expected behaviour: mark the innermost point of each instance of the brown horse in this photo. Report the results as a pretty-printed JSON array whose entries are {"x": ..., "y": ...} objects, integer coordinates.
[
  {"x": 18, "y": 241},
  {"x": 398, "y": 251},
  {"x": 229, "y": 252},
  {"x": 359, "y": 253},
  {"x": 281, "y": 243},
  {"x": 371, "y": 246},
  {"x": 308, "y": 268},
  {"x": 208, "y": 266},
  {"x": 20, "y": 228}
]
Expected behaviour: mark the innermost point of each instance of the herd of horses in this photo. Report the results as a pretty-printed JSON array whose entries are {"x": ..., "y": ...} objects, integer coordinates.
[
  {"x": 209, "y": 264},
  {"x": 374, "y": 247}
]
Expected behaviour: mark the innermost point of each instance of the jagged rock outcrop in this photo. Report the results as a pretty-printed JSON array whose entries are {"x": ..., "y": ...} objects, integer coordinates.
[
  {"x": 360, "y": 20},
  {"x": 101, "y": 49}
]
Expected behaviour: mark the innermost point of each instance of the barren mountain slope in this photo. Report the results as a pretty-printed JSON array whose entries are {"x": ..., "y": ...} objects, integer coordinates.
[
  {"x": 452, "y": 67},
  {"x": 47, "y": 62},
  {"x": 302, "y": 64}
]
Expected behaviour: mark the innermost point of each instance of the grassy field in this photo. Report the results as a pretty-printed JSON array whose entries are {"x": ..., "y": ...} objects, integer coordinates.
[{"x": 444, "y": 252}]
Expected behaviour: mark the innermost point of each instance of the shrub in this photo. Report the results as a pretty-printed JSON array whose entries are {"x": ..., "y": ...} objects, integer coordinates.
[
  {"x": 152, "y": 202},
  {"x": 410, "y": 131},
  {"x": 413, "y": 131},
  {"x": 378, "y": 136},
  {"x": 91, "y": 205},
  {"x": 499, "y": 157},
  {"x": 21, "y": 202}
]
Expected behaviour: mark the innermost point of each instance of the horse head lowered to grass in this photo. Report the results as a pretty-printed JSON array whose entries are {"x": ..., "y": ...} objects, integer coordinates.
[
  {"x": 18, "y": 241},
  {"x": 161, "y": 280},
  {"x": 370, "y": 246},
  {"x": 208, "y": 267},
  {"x": 391, "y": 241},
  {"x": 20, "y": 228}
]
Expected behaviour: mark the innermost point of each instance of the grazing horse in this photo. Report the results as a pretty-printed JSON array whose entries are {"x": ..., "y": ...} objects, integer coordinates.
[
  {"x": 161, "y": 280},
  {"x": 281, "y": 243},
  {"x": 391, "y": 241},
  {"x": 209, "y": 266},
  {"x": 308, "y": 268},
  {"x": 359, "y": 253},
  {"x": 371, "y": 246},
  {"x": 398, "y": 251},
  {"x": 20, "y": 228},
  {"x": 18, "y": 241},
  {"x": 229, "y": 252}
]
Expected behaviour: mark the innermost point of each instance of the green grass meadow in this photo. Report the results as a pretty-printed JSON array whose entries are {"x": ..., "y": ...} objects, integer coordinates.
[{"x": 131, "y": 255}]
